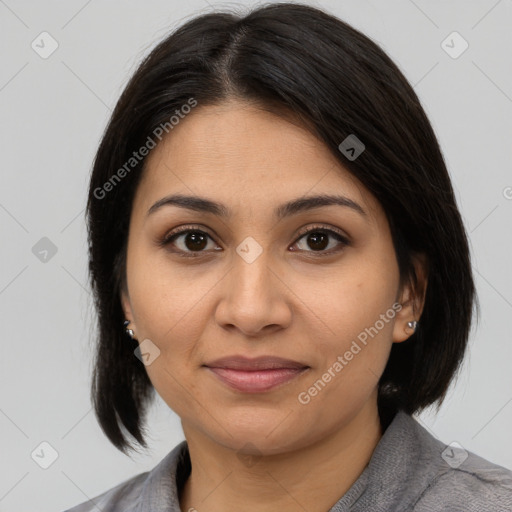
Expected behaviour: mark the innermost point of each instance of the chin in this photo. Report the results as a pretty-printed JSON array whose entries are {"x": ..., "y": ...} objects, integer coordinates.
[{"x": 263, "y": 434}]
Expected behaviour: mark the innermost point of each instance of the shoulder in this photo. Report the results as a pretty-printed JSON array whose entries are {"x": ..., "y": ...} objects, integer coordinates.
[
  {"x": 465, "y": 482},
  {"x": 146, "y": 491},
  {"x": 413, "y": 471},
  {"x": 118, "y": 498}
]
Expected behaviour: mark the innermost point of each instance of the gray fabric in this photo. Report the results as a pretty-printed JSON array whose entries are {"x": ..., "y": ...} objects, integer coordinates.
[{"x": 406, "y": 473}]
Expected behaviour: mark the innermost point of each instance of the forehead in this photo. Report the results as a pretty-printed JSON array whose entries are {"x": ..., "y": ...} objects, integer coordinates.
[{"x": 243, "y": 155}]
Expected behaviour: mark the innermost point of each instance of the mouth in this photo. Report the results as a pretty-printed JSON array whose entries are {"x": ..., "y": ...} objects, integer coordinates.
[{"x": 255, "y": 375}]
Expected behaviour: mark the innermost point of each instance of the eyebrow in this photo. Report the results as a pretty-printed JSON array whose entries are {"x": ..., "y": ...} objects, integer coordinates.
[{"x": 202, "y": 204}]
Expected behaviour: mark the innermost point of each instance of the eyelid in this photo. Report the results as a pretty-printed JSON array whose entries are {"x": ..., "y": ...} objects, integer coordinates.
[
  {"x": 322, "y": 227},
  {"x": 186, "y": 227},
  {"x": 166, "y": 240}
]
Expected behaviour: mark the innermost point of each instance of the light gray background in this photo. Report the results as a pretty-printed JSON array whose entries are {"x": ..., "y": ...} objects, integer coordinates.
[{"x": 53, "y": 112}]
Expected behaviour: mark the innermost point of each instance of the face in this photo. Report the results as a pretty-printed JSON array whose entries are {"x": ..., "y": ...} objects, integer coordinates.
[{"x": 314, "y": 284}]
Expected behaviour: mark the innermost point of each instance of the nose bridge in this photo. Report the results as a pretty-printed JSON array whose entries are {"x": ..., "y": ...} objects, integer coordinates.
[{"x": 252, "y": 275}]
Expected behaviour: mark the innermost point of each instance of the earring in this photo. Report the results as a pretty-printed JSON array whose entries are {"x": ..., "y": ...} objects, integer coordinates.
[
  {"x": 412, "y": 325},
  {"x": 128, "y": 331}
]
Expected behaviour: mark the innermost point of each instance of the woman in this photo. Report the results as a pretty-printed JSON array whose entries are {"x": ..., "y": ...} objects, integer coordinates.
[{"x": 271, "y": 219}]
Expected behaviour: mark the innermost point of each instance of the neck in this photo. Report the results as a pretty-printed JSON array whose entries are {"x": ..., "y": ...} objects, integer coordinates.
[{"x": 312, "y": 478}]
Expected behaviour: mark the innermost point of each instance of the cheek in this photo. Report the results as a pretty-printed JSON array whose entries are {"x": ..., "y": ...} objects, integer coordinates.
[
  {"x": 168, "y": 297},
  {"x": 353, "y": 357},
  {"x": 356, "y": 306},
  {"x": 354, "y": 300}
]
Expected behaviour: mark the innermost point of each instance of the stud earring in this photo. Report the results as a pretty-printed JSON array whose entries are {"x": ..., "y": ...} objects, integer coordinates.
[
  {"x": 128, "y": 331},
  {"x": 412, "y": 325}
]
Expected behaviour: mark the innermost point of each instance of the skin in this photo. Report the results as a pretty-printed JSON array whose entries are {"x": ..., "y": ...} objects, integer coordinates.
[{"x": 265, "y": 451}]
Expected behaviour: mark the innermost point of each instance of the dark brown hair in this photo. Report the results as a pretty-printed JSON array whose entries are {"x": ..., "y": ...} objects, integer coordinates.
[{"x": 288, "y": 58}]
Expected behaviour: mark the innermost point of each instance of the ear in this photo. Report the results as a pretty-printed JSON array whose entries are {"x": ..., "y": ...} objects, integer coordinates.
[
  {"x": 126, "y": 305},
  {"x": 412, "y": 299}
]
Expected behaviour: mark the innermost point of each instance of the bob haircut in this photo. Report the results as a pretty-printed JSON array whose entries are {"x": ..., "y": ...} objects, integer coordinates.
[{"x": 298, "y": 61}]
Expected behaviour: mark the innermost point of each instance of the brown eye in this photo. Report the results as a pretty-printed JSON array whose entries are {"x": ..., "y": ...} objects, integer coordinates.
[
  {"x": 195, "y": 240},
  {"x": 187, "y": 241},
  {"x": 319, "y": 239}
]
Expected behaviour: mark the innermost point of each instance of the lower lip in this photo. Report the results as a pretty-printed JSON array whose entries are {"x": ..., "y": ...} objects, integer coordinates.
[{"x": 256, "y": 381}]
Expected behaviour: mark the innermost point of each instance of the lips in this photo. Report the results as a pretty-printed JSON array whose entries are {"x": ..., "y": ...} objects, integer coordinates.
[
  {"x": 255, "y": 375},
  {"x": 257, "y": 363}
]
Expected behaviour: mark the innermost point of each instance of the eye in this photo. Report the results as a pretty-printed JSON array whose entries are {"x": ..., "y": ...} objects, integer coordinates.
[
  {"x": 188, "y": 240},
  {"x": 191, "y": 241},
  {"x": 317, "y": 238}
]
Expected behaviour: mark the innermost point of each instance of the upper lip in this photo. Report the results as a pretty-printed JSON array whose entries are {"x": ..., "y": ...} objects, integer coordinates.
[{"x": 256, "y": 363}]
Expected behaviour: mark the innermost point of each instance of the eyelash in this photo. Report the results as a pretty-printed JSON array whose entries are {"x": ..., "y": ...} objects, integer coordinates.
[{"x": 173, "y": 235}]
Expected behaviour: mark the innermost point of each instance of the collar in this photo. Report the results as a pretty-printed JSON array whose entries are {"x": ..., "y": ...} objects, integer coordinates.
[{"x": 407, "y": 457}]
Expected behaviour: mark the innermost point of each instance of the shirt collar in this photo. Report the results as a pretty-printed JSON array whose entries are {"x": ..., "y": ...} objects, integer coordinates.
[{"x": 380, "y": 487}]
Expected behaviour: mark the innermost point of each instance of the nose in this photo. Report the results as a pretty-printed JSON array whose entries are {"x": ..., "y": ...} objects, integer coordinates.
[{"x": 254, "y": 298}]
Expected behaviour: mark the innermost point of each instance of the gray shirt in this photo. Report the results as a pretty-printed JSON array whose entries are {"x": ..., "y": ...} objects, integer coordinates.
[{"x": 409, "y": 471}]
